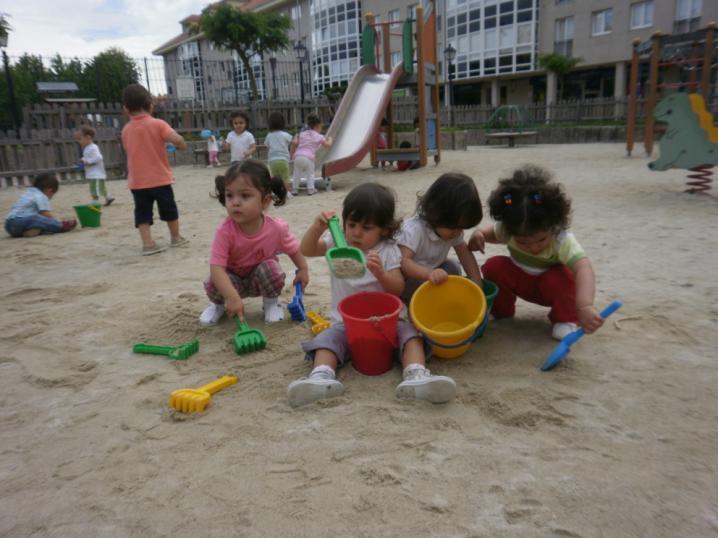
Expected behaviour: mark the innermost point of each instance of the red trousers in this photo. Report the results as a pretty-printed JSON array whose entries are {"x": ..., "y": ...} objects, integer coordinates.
[{"x": 555, "y": 287}]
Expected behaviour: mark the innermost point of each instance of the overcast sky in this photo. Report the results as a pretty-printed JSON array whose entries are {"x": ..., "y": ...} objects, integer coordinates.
[{"x": 83, "y": 28}]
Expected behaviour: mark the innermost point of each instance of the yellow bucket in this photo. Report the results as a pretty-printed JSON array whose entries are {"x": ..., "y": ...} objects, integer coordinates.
[{"x": 448, "y": 315}]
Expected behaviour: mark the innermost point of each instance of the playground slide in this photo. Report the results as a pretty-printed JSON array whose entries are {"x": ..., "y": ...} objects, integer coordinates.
[{"x": 357, "y": 119}]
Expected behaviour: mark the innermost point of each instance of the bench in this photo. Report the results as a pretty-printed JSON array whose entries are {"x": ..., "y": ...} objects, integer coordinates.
[{"x": 511, "y": 136}]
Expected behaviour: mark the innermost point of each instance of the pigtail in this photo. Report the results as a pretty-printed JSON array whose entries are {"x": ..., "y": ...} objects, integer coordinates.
[
  {"x": 219, "y": 184},
  {"x": 279, "y": 190}
]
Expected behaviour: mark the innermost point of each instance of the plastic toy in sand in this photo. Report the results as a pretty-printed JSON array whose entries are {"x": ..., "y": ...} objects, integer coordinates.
[
  {"x": 296, "y": 307},
  {"x": 562, "y": 349},
  {"x": 344, "y": 261},
  {"x": 247, "y": 339},
  {"x": 319, "y": 324},
  {"x": 196, "y": 400},
  {"x": 178, "y": 353}
]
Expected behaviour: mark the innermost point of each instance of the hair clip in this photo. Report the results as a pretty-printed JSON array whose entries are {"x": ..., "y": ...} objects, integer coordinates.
[
  {"x": 507, "y": 198},
  {"x": 537, "y": 198}
]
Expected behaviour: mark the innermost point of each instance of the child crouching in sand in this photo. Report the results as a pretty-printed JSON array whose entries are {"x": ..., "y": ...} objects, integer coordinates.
[
  {"x": 243, "y": 261},
  {"x": 370, "y": 225}
]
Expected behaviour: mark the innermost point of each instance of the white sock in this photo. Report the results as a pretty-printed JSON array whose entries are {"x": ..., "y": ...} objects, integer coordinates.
[
  {"x": 413, "y": 366},
  {"x": 310, "y": 184},
  {"x": 273, "y": 311},
  {"x": 323, "y": 369}
]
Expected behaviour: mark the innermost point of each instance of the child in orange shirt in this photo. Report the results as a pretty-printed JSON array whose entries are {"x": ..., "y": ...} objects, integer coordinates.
[{"x": 149, "y": 175}]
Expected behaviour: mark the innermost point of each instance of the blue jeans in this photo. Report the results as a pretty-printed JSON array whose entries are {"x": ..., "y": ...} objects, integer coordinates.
[{"x": 17, "y": 225}]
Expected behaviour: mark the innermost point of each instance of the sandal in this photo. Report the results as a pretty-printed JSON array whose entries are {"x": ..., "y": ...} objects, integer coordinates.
[
  {"x": 154, "y": 249},
  {"x": 179, "y": 242}
]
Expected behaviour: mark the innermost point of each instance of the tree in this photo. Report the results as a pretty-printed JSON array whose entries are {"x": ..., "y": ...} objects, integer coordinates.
[
  {"x": 5, "y": 28},
  {"x": 107, "y": 74},
  {"x": 560, "y": 65},
  {"x": 244, "y": 32}
]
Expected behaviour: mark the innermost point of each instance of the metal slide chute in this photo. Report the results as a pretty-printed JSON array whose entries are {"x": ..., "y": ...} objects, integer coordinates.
[{"x": 358, "y": 118}]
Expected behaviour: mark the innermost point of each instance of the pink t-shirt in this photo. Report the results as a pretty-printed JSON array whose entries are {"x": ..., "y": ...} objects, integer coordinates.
[
  {"x": 241, "y": 253},
  {"x": 309, "y": 142},
  {"x": 147, "y": 163}
]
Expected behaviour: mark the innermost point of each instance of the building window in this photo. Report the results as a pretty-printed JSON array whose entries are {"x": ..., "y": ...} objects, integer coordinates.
[
  {"x": 241, "y": 87},
  {"x": 559, "y": 2},
  {"x": 394, "y": 15},
  {"x": 601, "y": 22},
  {"x": 563, "y": 36},
  {"x": 335, "y": 42},
  {"x": 642, "y": 15},
  {"x": 395, "y": 59},
  {"x": 491, "y": 37},
  {"x": 296, "y": 13},
  {"x": 191, "y": 71},
  {"x": 688, "y": 16}
]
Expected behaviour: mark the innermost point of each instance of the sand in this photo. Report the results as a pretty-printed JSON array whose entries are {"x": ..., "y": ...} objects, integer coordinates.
[{"x": 619, "y": 440}]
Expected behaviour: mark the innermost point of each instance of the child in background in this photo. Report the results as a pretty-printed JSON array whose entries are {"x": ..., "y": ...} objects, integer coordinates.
[
  {"x": 240, "y": 142},
  {"x": 546, "y": 266},
  {"x": 450, "y": 206},
  {"x": 370, "y": 225},
  {"x": 380, "y": 141},
  {"x": 277, "y": 142},
  {"x": 213, "y": 151},
  {"x": 31, "y": 216},
  {"x": 304, "y": 149},
  {"x": 94, "y": 164},
  {"x": 406, "y": 165},
  {"x": 243, "y": 261},
  {"x": 149, "y": 175}
]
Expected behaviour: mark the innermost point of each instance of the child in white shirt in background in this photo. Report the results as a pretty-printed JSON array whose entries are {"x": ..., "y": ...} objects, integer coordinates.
[
  {"x": 94, "y": 164},
  {"x": 240, "y": 142}
]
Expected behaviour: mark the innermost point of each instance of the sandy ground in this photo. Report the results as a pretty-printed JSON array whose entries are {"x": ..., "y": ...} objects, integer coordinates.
[{"x": 620, "y": 440}]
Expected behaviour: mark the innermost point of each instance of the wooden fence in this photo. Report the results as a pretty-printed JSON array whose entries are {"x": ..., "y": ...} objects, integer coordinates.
[
  {"x": 46, "y": 143},
  {"x": 189, "y": 117},
  {"x": 54, "y": 150}
]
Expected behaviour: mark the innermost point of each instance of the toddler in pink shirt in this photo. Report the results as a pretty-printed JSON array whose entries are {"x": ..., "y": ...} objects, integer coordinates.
[
  {"x": 304, "y": 148},
  {"x": 243, "y": 261}
]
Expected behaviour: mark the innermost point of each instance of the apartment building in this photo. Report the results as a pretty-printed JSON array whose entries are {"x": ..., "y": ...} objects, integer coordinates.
[
  {"x": 497, "y": 44},
  {"x": 600, "y": 32}
]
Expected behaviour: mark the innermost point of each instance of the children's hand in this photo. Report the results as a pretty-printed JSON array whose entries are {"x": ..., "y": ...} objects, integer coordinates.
[
  {"x": 322, "y": 220},
  {"x": 589, "y": 318},
  {"x": 373, "y": 263},
  {"x": 303, "y": 277},
  {"x": 438, "y": 276},
  {"x": 477, "y": 241},
  {"x": 235, "y": 307}
]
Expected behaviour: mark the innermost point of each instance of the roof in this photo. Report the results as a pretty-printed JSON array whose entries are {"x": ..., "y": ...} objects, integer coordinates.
[
  {"x": 70, "y": 100},
  {"x": 56, "y": 87},
  {"x": 175, "y": 42}
]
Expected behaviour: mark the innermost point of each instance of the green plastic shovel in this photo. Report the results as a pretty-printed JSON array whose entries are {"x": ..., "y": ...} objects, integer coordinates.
[{"x": 344, "y": 261}]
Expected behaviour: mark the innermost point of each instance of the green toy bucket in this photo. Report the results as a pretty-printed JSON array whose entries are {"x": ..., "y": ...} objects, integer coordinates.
[
  {"x": 491, "y": 290},
  {"x": 89, "y": 215}
]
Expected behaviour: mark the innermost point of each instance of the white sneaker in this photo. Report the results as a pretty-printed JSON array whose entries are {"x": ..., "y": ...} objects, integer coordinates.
[
  {"x": 318, "y": 386},
  {"x": 211, "y": 315},
  {"x": 419, "y": 384},
  {"x": 273, "y": 311},
  {"x": 294, "y": 192},
  {"x": 561, "y": 330}
]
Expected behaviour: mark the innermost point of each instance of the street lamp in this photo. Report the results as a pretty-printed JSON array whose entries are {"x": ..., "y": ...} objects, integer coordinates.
[
  {"x": 4, "y": 27},
  {"x": 450, "y": 55},
  {"x": 273, "y": 65},
  {"x": 300, "y": 51}
]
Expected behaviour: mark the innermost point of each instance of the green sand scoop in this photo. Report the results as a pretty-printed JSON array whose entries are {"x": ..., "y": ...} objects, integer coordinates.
[
  {"x": 344, "y": 261},
  {"x": 178, "y": 353},
  {"x": 247, "y": 339}
]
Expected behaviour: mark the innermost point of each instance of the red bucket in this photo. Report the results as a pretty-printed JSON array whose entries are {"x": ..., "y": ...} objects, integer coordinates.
[{"x": 370, "y": 319}]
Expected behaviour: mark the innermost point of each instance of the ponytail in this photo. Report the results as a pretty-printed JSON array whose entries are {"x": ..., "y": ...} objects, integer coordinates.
[{"x": 279, "y": 190}]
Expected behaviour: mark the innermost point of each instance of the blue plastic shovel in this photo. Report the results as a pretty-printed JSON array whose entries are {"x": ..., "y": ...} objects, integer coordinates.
[
  {"x": 296, "y": 307},
  {"x": 564, "y": 346}
]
